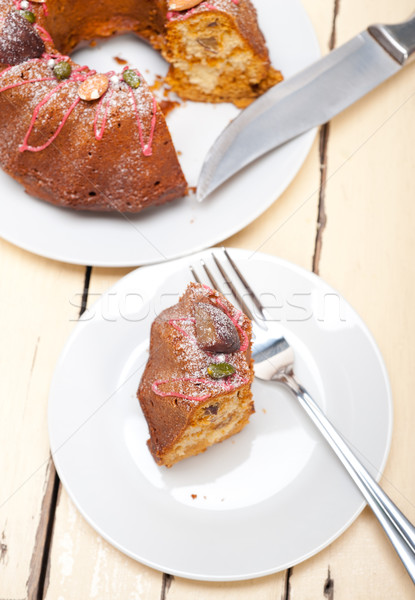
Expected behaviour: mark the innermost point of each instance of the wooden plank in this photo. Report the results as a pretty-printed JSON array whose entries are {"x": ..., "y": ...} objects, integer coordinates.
[
  {"x": 367, "y": 254},
  {"x": 84, "y": 565},
  {"x": 35, "y": 320}
]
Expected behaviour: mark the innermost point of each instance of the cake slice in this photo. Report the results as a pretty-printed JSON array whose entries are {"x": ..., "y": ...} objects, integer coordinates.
[
  {"x": 196, "y": 387},
  {"x": 217, "y": 52}
]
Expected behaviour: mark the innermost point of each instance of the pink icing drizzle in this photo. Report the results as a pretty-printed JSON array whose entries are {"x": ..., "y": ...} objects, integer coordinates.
[
  {"x": 174, "y": 15},
  {"x": 227, "y": 387},
  {"x": 25, "y": 145},
  {"x": 181, "y": 16},
  {"x": 226, "y": 384},
  {"x": 99, "y": 134},
  {"x": 173, "y": 322},
  {"x": 79, "y": 76},
  {"x": 57, "y": 57},
  {"x": 45, "y": 35},
  {"x": 155, "y": 389},
  {"x": 14, "y": 85},
  {"x": 146, "y": 148}
]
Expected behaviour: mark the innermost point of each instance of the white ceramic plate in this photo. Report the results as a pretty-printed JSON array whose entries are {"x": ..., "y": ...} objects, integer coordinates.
[
  {"x": 184, "y": 226},
  {"x": 263, "y": 500}
]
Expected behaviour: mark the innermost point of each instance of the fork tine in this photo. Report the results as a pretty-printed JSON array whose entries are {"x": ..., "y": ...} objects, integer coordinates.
[
  {"x": 243, "y": 280},
  {"x": 233, "y": 289},
  {"x": 194, "y": 274},
  {"x": 210, "y": 276}
]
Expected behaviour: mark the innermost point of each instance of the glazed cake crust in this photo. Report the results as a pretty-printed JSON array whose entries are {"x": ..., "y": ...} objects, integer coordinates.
[
  {"x": 175, "y": 391},
  {"x": 78, "y": 170},
  {"x": 111, "y": 152}
]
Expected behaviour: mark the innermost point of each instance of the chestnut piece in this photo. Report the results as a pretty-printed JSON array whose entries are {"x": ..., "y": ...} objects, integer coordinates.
[
  {"x": 209, "y": 43},
  {"x": 215, "y": 331},
  {"x": 19, "y": 40}
]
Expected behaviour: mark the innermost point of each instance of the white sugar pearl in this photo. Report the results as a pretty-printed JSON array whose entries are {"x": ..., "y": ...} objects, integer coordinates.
[
  {"x": 115, "y": 79},
  {"x": 51, "y": 63},
  {"x": 24, "y": 4}
]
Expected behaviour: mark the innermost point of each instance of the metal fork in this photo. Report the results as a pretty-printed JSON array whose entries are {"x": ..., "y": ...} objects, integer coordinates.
[{"x": 274, "y": 360}]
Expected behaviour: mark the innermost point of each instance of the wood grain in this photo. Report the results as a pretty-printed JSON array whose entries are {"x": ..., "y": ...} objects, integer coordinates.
[
  {"x": 367, "y": 254},
  {"x": 35, "y": 319}
]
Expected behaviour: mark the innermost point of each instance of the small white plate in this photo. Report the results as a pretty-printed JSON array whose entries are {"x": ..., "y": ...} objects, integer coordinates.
[
  {"x": 265, "y": 499},
  {"x": 185, "y": 225}
]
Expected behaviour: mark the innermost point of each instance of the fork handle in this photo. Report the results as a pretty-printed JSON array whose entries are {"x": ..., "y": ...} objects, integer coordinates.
[{"x": 396, "y": 526}]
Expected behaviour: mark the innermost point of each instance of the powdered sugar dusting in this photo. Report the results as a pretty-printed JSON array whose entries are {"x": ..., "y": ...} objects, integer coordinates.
[
  {"x": 189, "y": 379},
  {"x": 139, "y": 103}
]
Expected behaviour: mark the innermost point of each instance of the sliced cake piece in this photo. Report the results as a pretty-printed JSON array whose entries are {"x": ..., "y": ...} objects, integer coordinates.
[
  {"x": 196, "y": 388},
  {"x": 217, "y": 52}
]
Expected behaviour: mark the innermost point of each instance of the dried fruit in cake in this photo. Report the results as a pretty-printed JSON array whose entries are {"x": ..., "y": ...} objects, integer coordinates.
[{"x": 193, "y": 398}]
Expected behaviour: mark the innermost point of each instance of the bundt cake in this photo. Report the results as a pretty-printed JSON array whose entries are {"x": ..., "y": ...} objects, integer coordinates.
[
  {"x": 195, "y": 389},
  {"x": 77, "y": 138}
]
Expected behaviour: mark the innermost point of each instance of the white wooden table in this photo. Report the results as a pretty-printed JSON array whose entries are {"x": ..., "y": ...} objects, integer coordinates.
[{"x": 349, "y": 215}]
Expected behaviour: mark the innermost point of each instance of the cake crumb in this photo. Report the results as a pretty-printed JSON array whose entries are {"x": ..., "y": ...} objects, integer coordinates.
[
  {"x": 120, "y": 61},
  {"x": 194, "y": 496},
  {"x": 167, "y": 106},
  {"x": 264, "y": 411}
]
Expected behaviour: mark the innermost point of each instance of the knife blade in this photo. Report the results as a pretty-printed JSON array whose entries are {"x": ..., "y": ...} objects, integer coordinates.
[{"x": 310, "y": 98}]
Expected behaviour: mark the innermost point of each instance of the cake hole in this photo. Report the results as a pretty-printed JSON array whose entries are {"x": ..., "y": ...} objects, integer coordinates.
[
  {"x": 133, "y": 50},
  {"x": 157, "y": 183},
  {"x": 92, "y": 193}
]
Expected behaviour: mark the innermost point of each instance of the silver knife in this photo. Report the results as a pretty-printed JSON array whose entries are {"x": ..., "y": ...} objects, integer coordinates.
[{"x": 310, "y": 98}]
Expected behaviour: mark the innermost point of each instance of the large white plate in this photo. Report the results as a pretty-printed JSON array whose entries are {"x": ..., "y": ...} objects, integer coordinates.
[
  {"x": 185, "y": 225},
  {"x": 267, "y": 498}
]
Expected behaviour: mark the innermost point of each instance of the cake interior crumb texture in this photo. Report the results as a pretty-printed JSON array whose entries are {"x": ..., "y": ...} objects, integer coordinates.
[
  {"x": 212, "y": 61},
  {"x": 212, "y": 423}
]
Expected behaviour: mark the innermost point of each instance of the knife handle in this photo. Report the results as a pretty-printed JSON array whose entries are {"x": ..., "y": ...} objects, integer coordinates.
[{"x": 398, "y": 40}]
